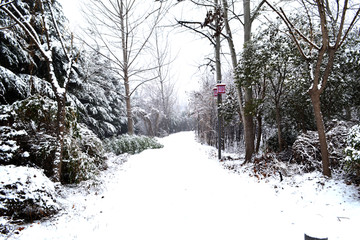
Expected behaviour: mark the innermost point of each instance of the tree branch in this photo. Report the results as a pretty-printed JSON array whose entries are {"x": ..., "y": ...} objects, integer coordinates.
[
  {"x": 257, "y": 10},
  {"x": 4, "y": 4},
  {"x": 151, "y": 79},
  {"x": 184, "y": 24},
  {"x": 350, "y": 27}
]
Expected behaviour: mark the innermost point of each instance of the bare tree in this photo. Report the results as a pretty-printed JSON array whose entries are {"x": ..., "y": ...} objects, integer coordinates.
[
  {"x": 121, "y": 31},
  {"x": 164, "y": 85},
  {"x": 335, "y": 24},
  {"x": 156, "y": 101},
  {"x": 46, "y": 49}
]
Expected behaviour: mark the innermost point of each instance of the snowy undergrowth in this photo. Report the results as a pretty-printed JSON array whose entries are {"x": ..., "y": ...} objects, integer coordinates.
[
  {"x": 352, "y": 151},
  {"x": 26, "y": 194},
  {"x": 29, "y": 187},
  {"x": 179, "y": 192}
]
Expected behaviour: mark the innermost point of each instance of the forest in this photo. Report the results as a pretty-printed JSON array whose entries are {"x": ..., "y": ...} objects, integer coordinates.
[{"x": 69, "y": 98}]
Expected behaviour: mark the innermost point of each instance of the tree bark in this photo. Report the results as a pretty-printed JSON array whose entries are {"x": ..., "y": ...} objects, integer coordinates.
[
  {"x": 278, "y": 123},
  {"x": 249, "y": 133},
  {"x": 61, "y": 117},
  {"x": 218, "y": 77},
  {"x": 125, "y": 69},
  {"x": 315, "y": 99},
  {"x": 259, "y": 133}
]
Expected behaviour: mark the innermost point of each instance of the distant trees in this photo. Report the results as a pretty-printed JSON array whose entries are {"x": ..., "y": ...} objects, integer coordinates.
[
  {"x": 157, "y": 101},
  {"x": 203, "y": 109}
]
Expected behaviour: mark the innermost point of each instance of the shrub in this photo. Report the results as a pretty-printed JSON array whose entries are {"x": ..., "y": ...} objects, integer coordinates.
[
  {"x": 28, "y": 138},
  {"x": 306, "y": 148},
  {"x": 130, "y": 144},
  {"x": 26, "y": 194},
  {"x": 288, "y": 138},
  {"x": 352, "y": 151},
  {"x": 83, "y": 156}
]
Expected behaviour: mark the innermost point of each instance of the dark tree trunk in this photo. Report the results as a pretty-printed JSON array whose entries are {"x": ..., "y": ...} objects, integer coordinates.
[
  {"x": 278, "y": 123},
  {"x": 259, "y": 132},
  {"x": 315, "y": 99},
  {"x": 130, "y": 124},
  {"x": 248, "y": 97}
]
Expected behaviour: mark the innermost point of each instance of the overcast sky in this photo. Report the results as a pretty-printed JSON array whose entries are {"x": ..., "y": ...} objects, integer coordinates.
[{"x": 189, "y": 48}]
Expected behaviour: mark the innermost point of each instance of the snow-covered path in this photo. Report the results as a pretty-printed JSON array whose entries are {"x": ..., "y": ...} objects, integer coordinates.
[{"x": 179, "y": 193}]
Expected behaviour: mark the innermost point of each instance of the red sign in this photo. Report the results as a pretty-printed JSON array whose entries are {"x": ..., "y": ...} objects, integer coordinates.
[
  {"x": 221, "y": 88},
  {"x": 215, "y": 90}
]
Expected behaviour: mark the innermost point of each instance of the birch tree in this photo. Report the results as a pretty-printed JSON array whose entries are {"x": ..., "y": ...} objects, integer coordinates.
[{"x": 46, "y": 46}]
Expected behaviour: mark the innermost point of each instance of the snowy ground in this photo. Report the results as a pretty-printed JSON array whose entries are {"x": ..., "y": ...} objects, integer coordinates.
[{"x": 178, "y": 192}]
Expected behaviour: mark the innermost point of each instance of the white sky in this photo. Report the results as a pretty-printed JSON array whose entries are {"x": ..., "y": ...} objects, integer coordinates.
[{"x": 189, "y": 48}]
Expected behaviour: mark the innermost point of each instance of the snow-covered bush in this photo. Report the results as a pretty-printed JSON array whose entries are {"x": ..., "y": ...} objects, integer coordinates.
[
  {"x": 306, "y": 148},
  {"x": 130, "y": 144},
  {"x": 28, "y": 133},
  {"x": 352, "y": 151},
  {"x": 288, "y": 137},
  {"x": 83, "y": 156},
  {"x": 26, "y": 193},
  {"x": 306, "y": 151},
  {"x": 28, "y": 138}
]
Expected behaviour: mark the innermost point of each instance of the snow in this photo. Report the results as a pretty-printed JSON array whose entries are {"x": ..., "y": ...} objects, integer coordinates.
[
  {"x": 29, "y": 186},
  {"x": 182, "y": 192}
]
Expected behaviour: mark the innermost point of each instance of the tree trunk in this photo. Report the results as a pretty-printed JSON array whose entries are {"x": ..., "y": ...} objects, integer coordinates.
[
  {"x": 247, "y": 120},
  {"x": 60, "y": 95},
  {"x": 259, "y": 132},
  {"x": 128, "y": 108},
  {"x": 248, "y": 117},
  {"x": 278, "y": 123},
  {"x": 218, "y": 78},
  {"x": 125, "y": 68},
  {"x": 61, "y": 115},
  {"x": 315, "y": 99}
]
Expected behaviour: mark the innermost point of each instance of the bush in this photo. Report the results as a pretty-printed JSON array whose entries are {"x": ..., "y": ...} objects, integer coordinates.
[
  {"x": 28, "y": 138},
  {"x": 28, "y": 133},
  {"x": 26, "y": 194},
  {"x": 352, "y": 151},
  {"x": 130, "y": 144},
  {"x": 306, "y": 148},
  {"x": 83, "y": 156},
  {"x": 288, "y": 138}
]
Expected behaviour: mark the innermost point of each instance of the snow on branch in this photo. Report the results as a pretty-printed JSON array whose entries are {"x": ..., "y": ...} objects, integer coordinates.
[
  {"x": 25, "y": 26},
  {"x": 4, "y": 3},
  {"x": 293, "y": 31}
]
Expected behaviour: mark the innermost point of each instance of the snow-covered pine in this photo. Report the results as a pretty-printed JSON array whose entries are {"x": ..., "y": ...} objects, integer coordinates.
[
  {"x": 98, "y": 96},
  {"x": 47, "y": 17}
]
